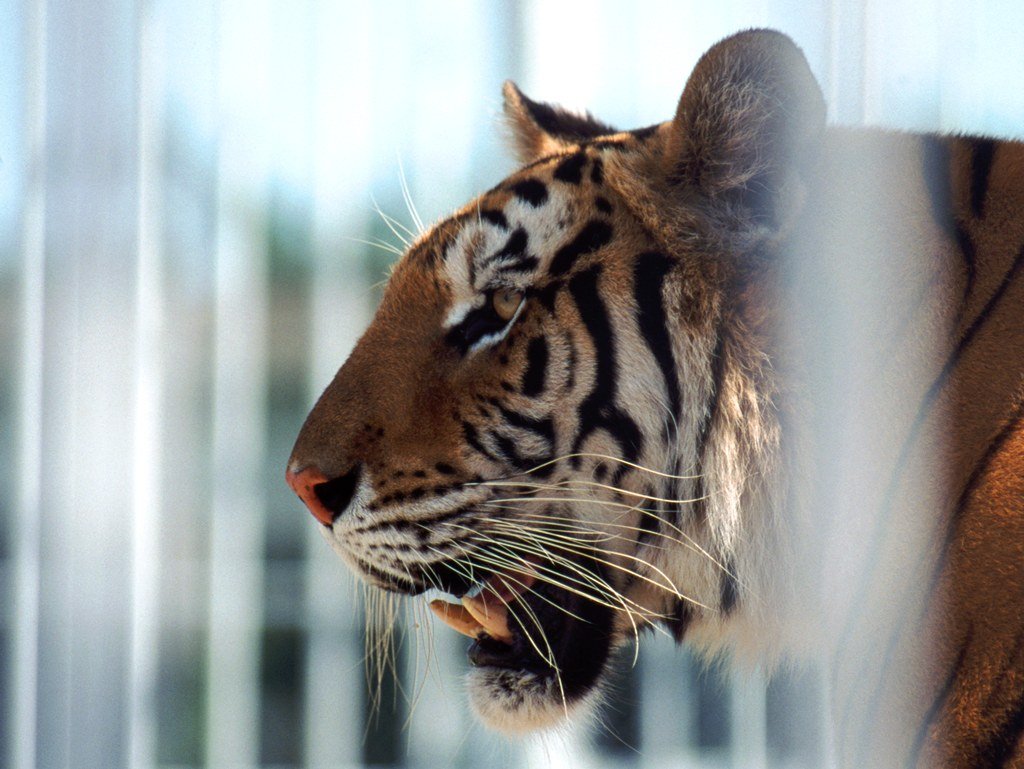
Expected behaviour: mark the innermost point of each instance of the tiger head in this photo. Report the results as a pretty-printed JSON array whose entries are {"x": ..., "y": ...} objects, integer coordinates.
[{"x": 550, "y": 418}]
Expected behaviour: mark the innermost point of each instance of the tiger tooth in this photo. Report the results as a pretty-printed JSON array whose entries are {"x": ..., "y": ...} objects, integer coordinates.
[
  {"x": 491, "y": 614},
  {"x": 457, "y": 618}
]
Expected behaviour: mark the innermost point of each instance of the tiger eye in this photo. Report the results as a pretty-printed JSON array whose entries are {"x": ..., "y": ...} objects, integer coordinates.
[{"x": 505, "y": 302}]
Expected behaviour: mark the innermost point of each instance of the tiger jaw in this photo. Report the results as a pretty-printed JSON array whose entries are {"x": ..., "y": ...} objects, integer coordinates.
[
  {"x": 543, "y": 629},
  {"x": 539, "y": 648},
  {"x": 543, "y": 613}
]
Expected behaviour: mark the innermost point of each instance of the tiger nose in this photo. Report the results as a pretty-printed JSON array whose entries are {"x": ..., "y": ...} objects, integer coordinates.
[{"x": 325, "y": 497}]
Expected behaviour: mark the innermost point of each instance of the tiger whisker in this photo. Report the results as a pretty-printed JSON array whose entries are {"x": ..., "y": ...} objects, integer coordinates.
[
  {"x": 593, "y": 484},
  {"x": 540, "y": 567},
  {"x": 418, "y": 684},
  {"x": 566, "y": 525},
  {"x": 621, "y": 602},
  {"x": 384, "y": 246},
  {"x": 550, "y": 660},
  {"x": 585, "y": 578},
  {"x": 392, "y": 224},
  {"x": 408, "y": 197},
  {"x": 559, "y": 580},
  {"x": 548, "y": 657},
  {"x": 572, "y": 546},
  {"x": 687, "y": 541},
  {"x": 672, "y": 588},
  {"x": 588, "y": 579},
  {"x": 627, "y": 508},
  {"x": 606, "y": 457}
]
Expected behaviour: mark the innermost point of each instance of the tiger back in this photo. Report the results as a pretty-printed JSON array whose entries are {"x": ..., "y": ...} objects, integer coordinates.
[{"x": 739, "y": 377}]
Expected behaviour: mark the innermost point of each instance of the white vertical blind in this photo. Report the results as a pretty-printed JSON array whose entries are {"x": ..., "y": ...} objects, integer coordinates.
[
  {"x": 343, "y": 104},
  {"x": 246, "y": 34},
  {"x": 24, "y": 616},
  {"x": 148, "y": 416},
  {"x": 170, "y": 161}
]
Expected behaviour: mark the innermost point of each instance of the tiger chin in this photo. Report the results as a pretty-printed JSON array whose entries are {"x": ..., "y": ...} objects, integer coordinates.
[{"x": 604, "y": 398}]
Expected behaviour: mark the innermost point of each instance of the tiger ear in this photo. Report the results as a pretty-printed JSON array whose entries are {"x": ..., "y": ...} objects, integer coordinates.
[
  {"x": 541, "y": 129},
  {"x": 749, "y": 121}
]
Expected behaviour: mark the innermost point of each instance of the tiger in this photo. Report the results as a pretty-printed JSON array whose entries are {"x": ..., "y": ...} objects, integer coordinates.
[{"x": 743, "y": 378}]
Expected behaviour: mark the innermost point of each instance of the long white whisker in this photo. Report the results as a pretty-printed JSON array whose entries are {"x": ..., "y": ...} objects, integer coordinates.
[
  {"x": 619, "y": 505},
  {"x": 569, "y": 484},
  {"x": 571, "y": 545},
  {"x": 535, "y": 547},
  {"x": 606, "y": 457},
  {"x": 392, "y": 224},
  {"x": 376, "y": 244},
  {"x": 548, "y": 574},
  {"x": 408, "y": 197}
]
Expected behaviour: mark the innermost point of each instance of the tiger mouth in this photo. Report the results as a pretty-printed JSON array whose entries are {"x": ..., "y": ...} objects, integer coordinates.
[{"x": 540, "y": 640}]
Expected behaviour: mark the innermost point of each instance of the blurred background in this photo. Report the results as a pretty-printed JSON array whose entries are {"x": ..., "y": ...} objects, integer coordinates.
[{"x": 195, "y": 204}]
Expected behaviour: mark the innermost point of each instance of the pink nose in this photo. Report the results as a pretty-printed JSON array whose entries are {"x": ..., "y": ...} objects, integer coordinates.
[{"x": 303, "y": 483}]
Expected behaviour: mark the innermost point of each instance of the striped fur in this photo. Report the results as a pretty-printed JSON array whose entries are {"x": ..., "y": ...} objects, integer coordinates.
[{"x": 767, "y": 379}]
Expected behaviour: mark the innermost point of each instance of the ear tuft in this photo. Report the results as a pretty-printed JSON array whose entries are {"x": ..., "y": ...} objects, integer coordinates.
[
  {"x": 749, "y": 120},
  {"x": 542, "y": 129}
]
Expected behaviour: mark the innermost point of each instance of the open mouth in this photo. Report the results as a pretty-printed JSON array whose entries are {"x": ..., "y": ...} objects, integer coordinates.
[{"x": 541, "y": 639}]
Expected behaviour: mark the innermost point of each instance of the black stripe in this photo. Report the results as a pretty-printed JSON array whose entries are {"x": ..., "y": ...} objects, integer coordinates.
[
  {"x": 969, "y": 252},
  {"x": 598, "y": 410},
  {"x": 536, "y": 367},
  {"x": 977, "y": 473},
  {"x": 522, "y": 264},
  {"x": 935, "y": 151},
  {"x": 936, "y": 171},
  {"x": 648, "y": 281},
  {"x": 570, "y": 170},
  {"x": 514, "y": 246},
  {"x": 937, "y": 706},
  {"x": 431, "y": 520},
  {"x": 440, "y": 238},
  {"x": 642, "y": 134},
  {"x": 473, "y": 439},
  {"x": 980, "y": 468},
  {"x": 603, "y": 205},
  {"x": 544, "y": 428},
  {"x": 563, "y": 124},
  {"x": 650, "y": 522},
  {"x": 984, "y": 151},
  {"x": 597, "y": 171},
  {"x": 730, "y": 589},
  {"x": 880, "y": 534},
  {"x": 530, "y": 191},
  {"x": 546, "y": 294},
  {"x": 997, "y": 750},
  {"x": 495, "y": 217},
  {"x": 717, "y": 371},
  {"x": 542, "y": 467},
  {"x": 397, "y": 582},
  {"x": 514, "y": 254},
  {"x": 593, "y": 236},
  {"x": 477, "y": 324},
  {"x": 933, "y": 391},
  {"x": 680, "y": 620}
]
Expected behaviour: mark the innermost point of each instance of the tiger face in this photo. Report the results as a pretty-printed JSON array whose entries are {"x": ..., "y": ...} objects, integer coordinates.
[{"x": 525, "y": 426}]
